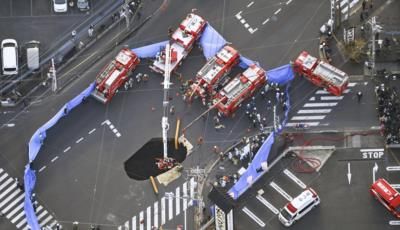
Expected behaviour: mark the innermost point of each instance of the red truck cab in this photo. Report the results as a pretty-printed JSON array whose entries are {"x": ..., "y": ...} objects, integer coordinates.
[{"x": 387, "y": 195}]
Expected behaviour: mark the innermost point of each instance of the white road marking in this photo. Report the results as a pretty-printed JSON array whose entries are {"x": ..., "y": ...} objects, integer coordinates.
[
  {"x": 393, "y": 168},
  {"x": 238, "y": 16},
  {"x": 1, "y": 170},
  {"x": 141, "y": 222},
  {"x": 395, "y": 186},
  {"x": 5, "y": 183},
  {"x": 290, "y": 124},
  {"x": 9, "y": 197},
  {"x": 281, "y": 191},
  {"x": 184, "y": 196},
  {"x": 246, "y": 25},
  {"x": 46, "y": 221},
  {"x": 352, "y": 84},
  {"x": 79, "y": 140},
  {"x": 277, "y": 12},
  {"x": 163, "y": 211},
  {"x": 115, "y": 130},
  {"x": 17, "y": 217},
  {"x": 312, "y": 99},
  {"x": 126, "y": 225},
  {"x": 155, "y": 214},
  {"x": 331, "y": 104},
  {"x": 54, "y": 159},
  {"x": 13, "y": 185},
  {"x": 178, "y": 200},
  {"x": 67, "y": 149},
  {"x": 15, "y": 210},
  {"x": 19, "y": 225},
  {"x": 2, "y": 177},
  {"x": 311, "y": 111},
  {"x": 250, "y": 4},
  {"x": 300, "y": 118},
  {"x": 243, "y": 21},
  {"x": 192, "y": 185},
  {"x": 5, "y": 210},
  {"x": 42, "y": 214},
  {"x": 148, "y": 215},
  {"x": 288, "y": 2},
  {"x": 91, "y": 131},
  {"x": 267, "y": 204},
  {"x": 42, "y": 168},
  {"x": 266, "y": 20},
  {"x": 105, "y": 122},
  {"x": 371, "y": 150},
  {"x": 118, "y": 134},
  {"x": 10, "y": 125},
  {"x": 111, "y": 126},
  {"x": 253, "y": 30},
  {"x": 294, "y": 178},
  {"x": 253, "y": 216},
  {"x": 170, "y": 208},
  {"x": 328, "y": 98},
  {"x": 134, "y": 223}
]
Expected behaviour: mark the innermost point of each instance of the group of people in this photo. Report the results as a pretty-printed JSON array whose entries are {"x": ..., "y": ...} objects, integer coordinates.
[
  {"x": 138, "y": 78},
  {"x": 389, "y": 113}
]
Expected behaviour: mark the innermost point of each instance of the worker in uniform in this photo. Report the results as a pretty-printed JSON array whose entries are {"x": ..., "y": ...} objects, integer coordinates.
[
  {"x": 138, "y": 77},
  {"x": 172, "y": 110},
  {"x": 359, "y": 95}
]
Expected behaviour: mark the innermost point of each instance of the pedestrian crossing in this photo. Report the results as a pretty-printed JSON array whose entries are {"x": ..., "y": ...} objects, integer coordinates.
[
  {"x": 268, "y": 199},
  {"x": 319, "y": 105},
  {"x": 346, "y": 4},
  {"x": 12, "y": 204},
  {"x": 165, "y": 209}
]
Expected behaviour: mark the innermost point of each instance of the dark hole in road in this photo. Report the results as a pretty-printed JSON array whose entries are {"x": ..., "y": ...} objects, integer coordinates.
[{"x": 142, "y": 164}]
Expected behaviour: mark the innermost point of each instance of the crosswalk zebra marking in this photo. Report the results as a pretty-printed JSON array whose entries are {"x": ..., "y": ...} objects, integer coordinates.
[
  {"x": 294, "y": 178},
  {"x": 148, "y": 215},
  {"x": 299, "y": 118},
  {"x": 352, "y": 84},
  {"x": 170, "y": 208},
  {"x": 156, "y": 214},
  {"x": 330, "y": 104},
  {"x": 281, "y": 191},
  {"x": 2, "y": 186},
  {"x": 13, "y": 186},
  {"x": 253, "y": 216},
  {"x": 184, "y": 196},
  {"x": 134, "y": 223},
  {"x": 290, "y": 124},
  {"x": 3, "y": 176},
  {"x": 15, "y": 210},
  {"x": 5, "y": 201},
  {"x": 314, "y": 111},
  {"x": 163, "y": 216},
  {"x": 322, "y": 91},
  {"x": 330, "y": 98},
  {"x": 267, "y": 204},
  {"x": 141, "y": 222},
  {"x": 46, "y": 220},
  {"x": 178, "y": 200}
]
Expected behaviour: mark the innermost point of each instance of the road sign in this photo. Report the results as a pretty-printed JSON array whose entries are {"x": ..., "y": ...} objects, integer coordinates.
[{"x": 393, "y": 168}]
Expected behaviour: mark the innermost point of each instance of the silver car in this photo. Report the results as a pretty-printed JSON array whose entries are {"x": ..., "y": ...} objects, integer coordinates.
[{"x": 83, "y": 5}]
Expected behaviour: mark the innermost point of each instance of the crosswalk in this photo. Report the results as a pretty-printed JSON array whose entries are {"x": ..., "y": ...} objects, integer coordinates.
[
  {"x": 163, "y": 210},
  {"x": 346, "y": 4},
  {"x": 315, "y": 110},
  {"x": 269, "y": 200},
  {"x": 12, "y": 204}
]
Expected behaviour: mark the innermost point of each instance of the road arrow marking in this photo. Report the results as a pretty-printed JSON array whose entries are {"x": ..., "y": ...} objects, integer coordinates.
[
  {"x": 374, "y": 170},
  {"x": 348, "y": 173}
]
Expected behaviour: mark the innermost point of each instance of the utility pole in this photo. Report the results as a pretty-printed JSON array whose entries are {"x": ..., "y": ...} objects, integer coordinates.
[
  {"x": 166, "y": 83},
  {"x": 375, "y": 29},
  {"x": 198, "y": 176},
  {"x": 53, "y": 76},
  {"x": 276, "y": 119}
]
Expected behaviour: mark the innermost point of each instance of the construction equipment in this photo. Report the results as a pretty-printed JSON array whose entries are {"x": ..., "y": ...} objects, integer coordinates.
[
  {"x": 241, "y": 87},
  {"x": 321, "y": 73},
  {"x": 182, "y": 42},
  {"x": 114, "y": 75},
  {"x": 213, "y": 73}
]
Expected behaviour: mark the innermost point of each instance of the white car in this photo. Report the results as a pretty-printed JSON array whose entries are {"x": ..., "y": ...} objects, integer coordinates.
[
  {"x": 60, "y": 6},
  {"x": 9, "y": 56}
]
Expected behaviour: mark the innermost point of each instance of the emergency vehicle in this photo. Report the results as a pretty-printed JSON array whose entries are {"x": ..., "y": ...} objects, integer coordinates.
[
  {"x": 298, "y": 207},
  {"x": 321, "y": 73},
  {"x": 241, "y": 87},
  {"x": 114, "y": 75},
  {"x": 213, "y": 72},
  {"x": 387, "y": 195},
  {"x": 182, "y": 41}
]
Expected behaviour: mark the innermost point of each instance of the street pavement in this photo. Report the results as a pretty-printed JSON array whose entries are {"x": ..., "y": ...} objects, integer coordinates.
[{"x": 80, "y": 171}]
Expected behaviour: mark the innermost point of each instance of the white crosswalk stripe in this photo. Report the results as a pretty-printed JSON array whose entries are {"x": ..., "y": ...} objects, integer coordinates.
[
  {"x": 290, "y": 124},
  {"x": 163, "y": 210},
  {"x": 328, "y": 104},
  {"x": 12, "y": 204},
  {"x": 314, "y": 111},
  {"x": 331, "y": 98},
  {"x": 253, "y": 216},
  {"x": 281, "y": 191},
  {"x": 267, "y": 204},
  {"x": 299, "y": 118},
  {"x": 294, "y": 178}
]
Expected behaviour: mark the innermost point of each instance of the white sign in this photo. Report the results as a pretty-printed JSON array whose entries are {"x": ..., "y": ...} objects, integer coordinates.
[
  {"x": 372, "y": 153},
  {"x": 220, "y": 219}
]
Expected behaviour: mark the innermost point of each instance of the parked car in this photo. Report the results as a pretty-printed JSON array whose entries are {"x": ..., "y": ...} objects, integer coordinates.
[
  {"x": 60, "y": 6},
  {"x": 32, "y": 55},
  {"x": 83, "y": 5},
  {"x": 9, "y": 56}
]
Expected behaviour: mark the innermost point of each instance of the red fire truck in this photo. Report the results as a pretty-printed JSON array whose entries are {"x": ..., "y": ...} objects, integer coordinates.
[
  {"x": 214, "y": 71},
  {"x": 239, "y": 89},
  {"x": 387, "y": 195},
  {"x": 182, "y": 41},
  {"x": 114, "y": 75},
  {"x": 321, "y": 73}
]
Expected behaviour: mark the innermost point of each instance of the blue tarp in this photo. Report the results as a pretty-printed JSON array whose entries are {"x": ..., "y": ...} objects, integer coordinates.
[
  {"x": 245, "y": 62},
  {"x": 150, "y": 51},
  {"x": 281, "y": 75},
  {"x": 211, "y": 41},
  {"x": 35, "y": 144},
  {"x": 253, "y": 172}
]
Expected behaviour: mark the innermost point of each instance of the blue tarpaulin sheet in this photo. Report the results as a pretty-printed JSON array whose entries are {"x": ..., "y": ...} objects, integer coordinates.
[
  {"x": 150, "y": 51},
  {"x": 211, "y": 41},
  {"x": 245, "y": 62},
  {"x": 281, "y": 75},
  {"x": 35, "y": 144}
]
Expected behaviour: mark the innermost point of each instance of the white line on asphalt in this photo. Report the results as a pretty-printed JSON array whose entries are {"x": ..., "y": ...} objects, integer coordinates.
[
  {"x": 91, "y": 131},
  {"x": 253, "y": 216},
  {"x": 46, "y": 220},
  {"x": 266, "y": 20},
  {"x": 115, "y": 130},
  {"x": 184, "y": 196},
  {"x": 288, "y": 2},
  {"x": 111, "y": 126},
  {"x": 246, "y": 25},
  {"x": 311, "y": 111},
  {"x": 312, "y": 99},
  {"x": 300, "y": 118},
  {"x": 141, "y": 222},
  {"x": 267, "y": 204},
  {"x": 67, "y": 149},
  {"x": 243, "y": 21},
  {"x": 4, "y": 176},
  {"x": 134, "y": 223},
  {"x": 352, "y": 84},
  {"x": 1, "y": 170},
  {"x": 105, "y": 122},
  {"x": 42, "y": 168},
  {"x": 79, "y": 140},
  {"x": 250, "y": 4},
  {"x": 281, "y": 191},
  {"x": 5, "y": 183},
  {"x": 23, "y": 221},
  {"x": 155, "y": 214},
  {"x": 290, "y": 124},
  {"x": 21, "y": 196},
  {"x": 9, "y": 197},
  {"x": 148, "y": 215},
  {"x": 118, "y": 134},
  {"x": 294, "y": 178},
  {"x": 277, "y": 12},
  {"x": 178, "y": 200},
  {"x": 395, "y": 186},
  {"x": 15, "y": 210},
  {"x": 54, "y": 159},
  {"x": 163, "y": 211},
  {"x": 253, "y": 30},
  {"x": 331, "y": 104},
  {"x": 17, "y": 217},
  {"x": 192, "y": 184},
  {"x": 12, "y": 186},
  {"x": 238, "y": 16},
  {"x": 394, "y": 222},
  {"x": 371, "y": 150},
  {"x": 327, "y": 98},
  {"x": 170, "y": 208},
  {"x": 321, "y": 91},
  {"x": 393, "y": 168},
  {"x": 126, "y": 225},
  {"x": 42, "y": 214}
]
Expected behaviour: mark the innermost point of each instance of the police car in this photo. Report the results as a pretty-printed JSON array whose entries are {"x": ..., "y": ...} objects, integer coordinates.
[{"x": 298, "y": 207}]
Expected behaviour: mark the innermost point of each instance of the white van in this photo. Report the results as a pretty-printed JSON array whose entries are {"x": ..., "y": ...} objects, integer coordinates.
[
  {"x": 9, "y": 56},
  {"x": 298, "y": 207},
  {"x": 32, "y": 55}
]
